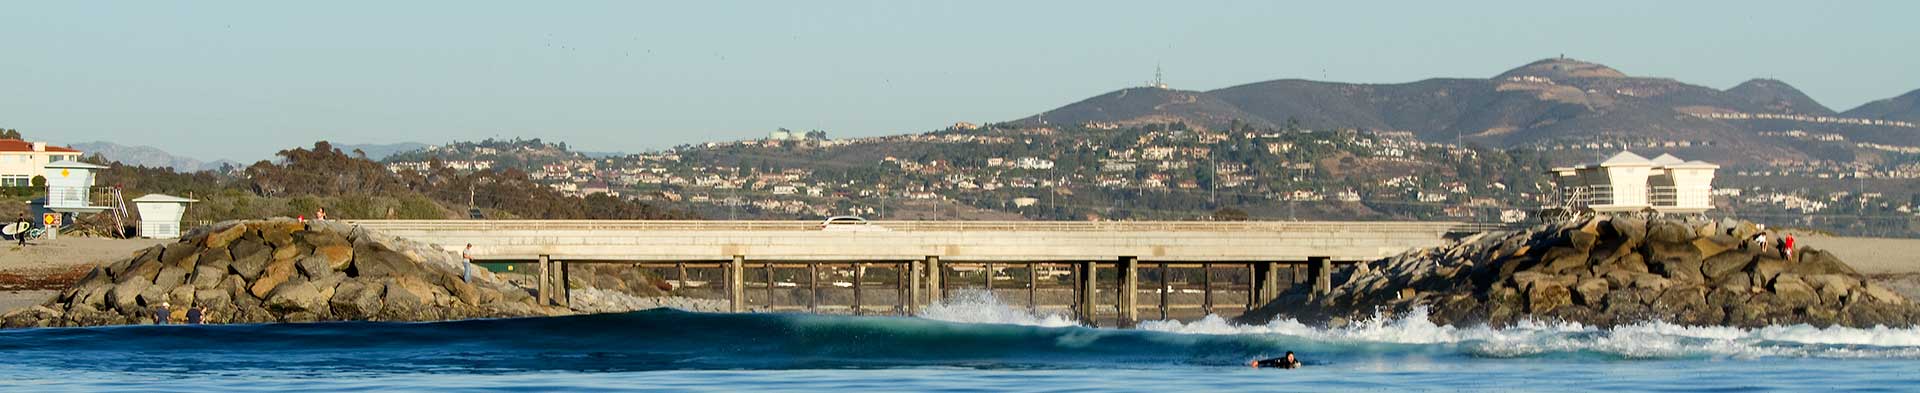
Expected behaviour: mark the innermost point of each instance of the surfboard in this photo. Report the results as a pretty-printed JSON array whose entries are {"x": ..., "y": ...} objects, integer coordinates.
[{"x": 13, "y": 229}]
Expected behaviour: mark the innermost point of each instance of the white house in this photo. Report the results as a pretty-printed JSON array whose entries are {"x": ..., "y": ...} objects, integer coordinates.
[
  {"x": 160, "y": 215},
  {"x": 20, "y": 160},
  {"x": 1628, "y": 182}
]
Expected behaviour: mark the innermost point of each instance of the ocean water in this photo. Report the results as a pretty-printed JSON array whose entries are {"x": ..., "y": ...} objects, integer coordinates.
[{"x": 970, "y": 344}]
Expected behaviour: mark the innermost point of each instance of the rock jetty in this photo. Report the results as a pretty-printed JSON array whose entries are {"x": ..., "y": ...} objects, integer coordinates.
[
  {"x": 1605, "y": 270},
  {"x": 284, "y": 271}
]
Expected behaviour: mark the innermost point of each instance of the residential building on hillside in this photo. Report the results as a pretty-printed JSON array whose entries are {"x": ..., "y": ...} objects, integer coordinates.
[{"x": 20, "y": 160}]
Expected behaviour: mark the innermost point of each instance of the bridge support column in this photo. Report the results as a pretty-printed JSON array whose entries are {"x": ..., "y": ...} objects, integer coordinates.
[
  {"x": 1269, "y": 282},
  {"x": 566, "y": 287},
  {"x": 1322, "y": 272},
  {"x": 1089, "y": 300},
  {"x": 935, "y": 289},
  {"x": 912, "y": 297},
  {"x": 1130, "y": 287},
  {"x": 737, "y": 284},
  {"x": 543, "y": 291}
]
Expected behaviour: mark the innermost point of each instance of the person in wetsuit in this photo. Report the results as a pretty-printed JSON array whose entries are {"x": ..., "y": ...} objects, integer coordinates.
[{"x": 1280, "y": 362}]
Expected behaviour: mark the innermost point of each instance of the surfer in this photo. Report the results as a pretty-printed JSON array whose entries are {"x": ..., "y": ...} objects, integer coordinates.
[
  {"x": 1279, "y": 362},
  {"x": 20, "y": 227}
]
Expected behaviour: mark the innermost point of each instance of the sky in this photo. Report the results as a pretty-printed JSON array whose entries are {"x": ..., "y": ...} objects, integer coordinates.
[{"x": 241, "y": 80}]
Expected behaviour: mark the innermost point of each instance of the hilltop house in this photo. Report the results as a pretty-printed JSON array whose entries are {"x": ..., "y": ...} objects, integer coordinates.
[
  {"x": 1628, "y": 182},
  {"x": 20, "y": 160}
]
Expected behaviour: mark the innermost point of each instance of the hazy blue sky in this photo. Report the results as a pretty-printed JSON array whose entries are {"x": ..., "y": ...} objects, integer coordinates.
[{"x": 243, "y": 79}]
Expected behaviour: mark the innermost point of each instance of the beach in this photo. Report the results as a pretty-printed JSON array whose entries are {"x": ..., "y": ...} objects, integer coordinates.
[{"x": 33, "y": 274}]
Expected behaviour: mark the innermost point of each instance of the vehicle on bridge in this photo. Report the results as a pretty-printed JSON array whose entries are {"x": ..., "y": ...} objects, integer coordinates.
[{"x": 849, "y": 224}]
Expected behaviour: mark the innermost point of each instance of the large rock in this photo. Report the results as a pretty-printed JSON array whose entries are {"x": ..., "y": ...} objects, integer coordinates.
[
  {"x": 1591, "y": 292},
  {"x": 1792, "y": 290},
  {"x": 221, "y": 237},
  {"x": 1670, "y": 231},
  {"x": 1813, "y": 262},
  {"x": 1725, "y": 264},
  {"x": 296, "y": 296},
  {"x": 276, "y": 272},
  {"x": 249, "y": 258},
  {"x": 358, "y": 300}
]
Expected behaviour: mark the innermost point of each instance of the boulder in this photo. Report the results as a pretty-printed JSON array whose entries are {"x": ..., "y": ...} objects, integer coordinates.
[
  {"x": 1834, "y": 289},
  {"x": 1789, "y": 288},
  {"x": 279, "y": 232},
  {"x": 1764, "y": 269},
  {"x": 316, "y": 267},
  {"x": 221, "y": 237},
  {"x": 338, "y": 256},
  {"x": 1882, "y": 294},
  {"x": 208, "y": 276},
  {"x": 249, "y": 259},
  {"x": 296, "y": 296},
  {"x": 1711, "y": 246},
  {"x": 213, "y": 299},
  {"x": 1559, "y": 260},
  {"x": 125, "y": 296},
  {"x": 277, "y": 272},
  {"x": 1670, "y": 231},
  {"x": 1633, "y": 263},
  {"x": 1527, "y": 280},
  {"x": 357, "y": 300},
  {"x": 372, "y": 259},
  {"x": 1720, "y": 266},
  {"x": 1814, "y": 262},
  {"x": 1591, "y": 292}
]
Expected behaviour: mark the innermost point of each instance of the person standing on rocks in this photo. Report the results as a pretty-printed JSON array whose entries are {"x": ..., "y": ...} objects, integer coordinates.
[
  {"x": 162, "y": 314},
  {"x": 195, "y": 313},
  {"x": 1786, "y": 247},
  {"x": 1760, "y": 241},
  {"x": 466, "y": 268}
]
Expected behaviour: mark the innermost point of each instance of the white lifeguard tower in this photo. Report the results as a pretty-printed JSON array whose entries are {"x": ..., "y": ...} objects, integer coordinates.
[
  {"x": 1628, "y": 182},
  {"x": 69, "y": 190},
  {"x": 160, "y": 215}
]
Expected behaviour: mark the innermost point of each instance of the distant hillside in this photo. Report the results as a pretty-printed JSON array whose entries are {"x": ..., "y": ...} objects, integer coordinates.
[
  {"x": 1906, "y": 107},
  {"x": 148, "y": 156},
  {"x": 1552, "y": 103},
  {"x": 1777, "y": 96},
  {"x": 379, "y": 152}
]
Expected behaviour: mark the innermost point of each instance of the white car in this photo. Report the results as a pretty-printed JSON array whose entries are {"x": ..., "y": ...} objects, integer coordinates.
[{"x": 849, "y": 224}]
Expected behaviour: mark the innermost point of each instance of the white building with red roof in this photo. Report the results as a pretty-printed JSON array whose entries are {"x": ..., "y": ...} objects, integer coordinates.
[{"x": 20, "y": 160}]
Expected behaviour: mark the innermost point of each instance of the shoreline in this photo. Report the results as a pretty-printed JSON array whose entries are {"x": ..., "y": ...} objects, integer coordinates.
[{"x": 35, "y": 274}]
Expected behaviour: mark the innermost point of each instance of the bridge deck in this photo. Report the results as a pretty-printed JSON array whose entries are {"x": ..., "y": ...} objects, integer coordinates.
[{"x": 668, "y": 241}]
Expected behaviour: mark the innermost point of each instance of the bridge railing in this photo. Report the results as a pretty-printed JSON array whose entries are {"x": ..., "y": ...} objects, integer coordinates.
[{"x": 938, "y": 226}]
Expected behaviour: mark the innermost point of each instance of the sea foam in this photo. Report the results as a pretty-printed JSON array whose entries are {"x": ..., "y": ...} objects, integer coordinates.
[{"x": 1644, "y": 340}]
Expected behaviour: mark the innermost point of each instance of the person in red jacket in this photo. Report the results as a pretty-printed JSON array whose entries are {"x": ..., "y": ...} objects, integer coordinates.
[{"x": 1786, "y": 246}]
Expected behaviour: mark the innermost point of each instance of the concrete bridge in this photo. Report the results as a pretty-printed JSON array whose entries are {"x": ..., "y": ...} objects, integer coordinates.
[{"x": 917, "y": 262}]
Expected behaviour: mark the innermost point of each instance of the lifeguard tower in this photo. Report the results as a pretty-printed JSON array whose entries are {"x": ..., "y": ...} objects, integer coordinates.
[
  {"x": 69, "y": 190},
  {"x": 1628, "y": 182},
  {"x": 160, "y": 215}
]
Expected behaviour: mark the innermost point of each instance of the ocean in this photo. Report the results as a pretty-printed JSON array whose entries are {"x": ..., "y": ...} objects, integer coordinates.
[{"x": 971, "y": 344}]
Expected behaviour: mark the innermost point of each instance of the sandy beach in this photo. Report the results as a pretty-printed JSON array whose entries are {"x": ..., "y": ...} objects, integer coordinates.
[{"x": 30, "y": 275}]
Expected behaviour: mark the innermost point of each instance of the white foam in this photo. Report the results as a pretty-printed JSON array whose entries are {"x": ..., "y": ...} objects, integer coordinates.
[
  {"x": 1526, "y": 338},
  {"x": 970, "y": 306}
]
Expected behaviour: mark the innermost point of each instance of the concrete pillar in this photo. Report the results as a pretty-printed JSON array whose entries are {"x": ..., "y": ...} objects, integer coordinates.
[
  {"x": 1269, "y": 282},
  {"x": 813, "y": 287},
  {"x": 737, "y": 284},
  {"x": 1033, "y": 288},
  {"x": 935, "y": 289},
  {"x": 1088, "y": 297},
  {"x": 912, "y": 298},
  {"x": 1321, "y": 268},
  {"x": 566, "y": 285},
  {"x": 542, "y": 291},
  {"x": 859, "y": 275},
  {"x": 1130, "y": 291}
]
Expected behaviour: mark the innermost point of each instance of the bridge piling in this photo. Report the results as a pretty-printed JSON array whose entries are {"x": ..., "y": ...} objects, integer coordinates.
[
  {"x": 1130, "y": 291},
  {"x": 541, "y": 292},
  {"x": 1033, "y": 287},
  {"x": 566, "y": 285},
  {"x": 1089, "y": 299},
  {"x": 859, "y": 276},
  {"x": 813, "y": 287},
  {"x": 936, "y": 286},
  {"x": 1322, "y": 270},
  {"x": 912, "y": 297},
  {"x": 1163, "y": 290},
  {"x": 1269, "y": 282},
  {"x": 736, "y": 284}
]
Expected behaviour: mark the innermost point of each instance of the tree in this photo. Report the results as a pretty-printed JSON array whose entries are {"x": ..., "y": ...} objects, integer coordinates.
[
  {"x": 1229, "y": 214},
  {"x": 39, "y": 181},
  {"x": 9, "y": 133}
]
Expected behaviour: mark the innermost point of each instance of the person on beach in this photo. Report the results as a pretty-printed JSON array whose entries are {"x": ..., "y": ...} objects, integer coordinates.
[
  {"x": 195, "y": 314},
  {"x": 1786, "y": 247},
  {"x": 1760, "y": 241},
  {"x": 1279, "y": 362},
  {"x": 466, "y": 269},
  {"x": 162, "y": 314},
  {"x": 24, "y": 225},
  {"x": 320, "y": 215}
]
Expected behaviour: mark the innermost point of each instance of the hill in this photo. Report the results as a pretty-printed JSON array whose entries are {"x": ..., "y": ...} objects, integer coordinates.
[
  {"x": 1905, "y": 107},
  {"x": 148, "y": 156},
  {"x": 1556, "y": 104}
]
